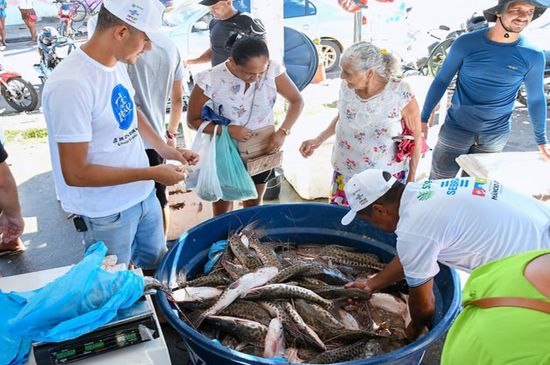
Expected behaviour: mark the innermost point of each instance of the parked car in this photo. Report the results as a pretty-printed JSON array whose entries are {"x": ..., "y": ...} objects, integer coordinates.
[{"x": 187, "y": 26}]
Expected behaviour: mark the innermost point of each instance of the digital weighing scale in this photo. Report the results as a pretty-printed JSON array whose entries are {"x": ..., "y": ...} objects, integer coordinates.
[{"x": 131, "y": 326}]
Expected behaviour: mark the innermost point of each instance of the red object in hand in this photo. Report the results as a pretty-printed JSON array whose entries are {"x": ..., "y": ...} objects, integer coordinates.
[
  {"x": 349, "y": 6},
  {"x": 405, "y": 143}
]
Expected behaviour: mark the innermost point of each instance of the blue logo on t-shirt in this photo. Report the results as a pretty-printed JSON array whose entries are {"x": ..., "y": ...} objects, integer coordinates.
[{"x": 123, "y": 106}]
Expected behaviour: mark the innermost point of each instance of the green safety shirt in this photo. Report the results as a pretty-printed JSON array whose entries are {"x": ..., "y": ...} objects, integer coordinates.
[{"x": 500, "y": 335}]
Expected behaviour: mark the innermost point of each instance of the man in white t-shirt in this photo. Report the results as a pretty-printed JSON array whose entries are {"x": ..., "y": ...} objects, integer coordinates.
[
  {"x": 463, "y": 223},
  {"x": 95, "y": 134}
]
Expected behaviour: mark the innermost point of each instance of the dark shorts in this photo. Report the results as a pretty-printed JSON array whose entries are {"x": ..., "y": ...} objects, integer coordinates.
[
  {"x": 262, "y": 178},
  {"x": 28, "y": 15},
  {"x": 154, "y": 160}
]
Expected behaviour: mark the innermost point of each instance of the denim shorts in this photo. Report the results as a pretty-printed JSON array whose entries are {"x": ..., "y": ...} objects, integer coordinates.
[
  {"x": 135, "y": 235},
  {"x": 454, "y": 142}
]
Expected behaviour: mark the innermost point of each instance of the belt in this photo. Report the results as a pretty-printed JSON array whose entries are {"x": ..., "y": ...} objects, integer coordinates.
[{"x": 528, "y": 303}]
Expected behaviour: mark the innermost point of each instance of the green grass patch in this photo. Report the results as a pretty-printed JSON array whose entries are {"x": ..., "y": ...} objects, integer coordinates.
[{"x": 27, "y": 135}]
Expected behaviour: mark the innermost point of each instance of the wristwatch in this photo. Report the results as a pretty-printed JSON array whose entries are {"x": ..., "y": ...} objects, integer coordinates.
[
  {"x": 285, "y": 131},
  {"x": 171, "y": 135}
]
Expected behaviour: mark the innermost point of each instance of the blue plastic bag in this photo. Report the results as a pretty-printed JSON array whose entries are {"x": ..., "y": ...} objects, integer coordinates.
[
  {"x": 215, "y": 254},
  {"x": 15, "y": 349},
  {"x": 207, "y": 114},
  {"x": 235, "y": 181},
  {"x": 84, "y": 299}
]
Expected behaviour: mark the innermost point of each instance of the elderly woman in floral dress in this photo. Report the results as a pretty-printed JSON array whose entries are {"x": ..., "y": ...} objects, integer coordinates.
[{"x": 372, "y": 103}]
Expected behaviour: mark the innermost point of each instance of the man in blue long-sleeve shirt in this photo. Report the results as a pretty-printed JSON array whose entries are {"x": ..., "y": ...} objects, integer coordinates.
[{"x": 491, "y": 65}]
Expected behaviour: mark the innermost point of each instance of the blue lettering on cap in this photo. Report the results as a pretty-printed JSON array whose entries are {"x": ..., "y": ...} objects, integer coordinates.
[{"x": 123, "y": 106}]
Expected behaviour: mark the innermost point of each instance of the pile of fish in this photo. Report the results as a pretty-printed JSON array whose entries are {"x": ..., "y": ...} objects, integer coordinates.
[{"x": 280, "y": 300}]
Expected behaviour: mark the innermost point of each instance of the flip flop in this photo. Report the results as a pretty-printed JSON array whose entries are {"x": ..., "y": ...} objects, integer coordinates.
[{"x": 12, "y": 251}]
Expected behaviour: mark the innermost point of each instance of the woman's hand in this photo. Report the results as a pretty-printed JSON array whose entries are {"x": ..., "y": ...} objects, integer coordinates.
[
  {"x": 239, "y": 133},
  {"x": 308, "y": 147},
  {"x": 276, "y": 142}
]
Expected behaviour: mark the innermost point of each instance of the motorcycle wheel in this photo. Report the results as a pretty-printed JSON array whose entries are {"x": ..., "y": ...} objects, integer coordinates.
[
  {"x": 79, "y": 11},
  {"x": 23, "y": 96},
  {"x": 438, "y": 55},
  {"x": 522, "y": 94}
]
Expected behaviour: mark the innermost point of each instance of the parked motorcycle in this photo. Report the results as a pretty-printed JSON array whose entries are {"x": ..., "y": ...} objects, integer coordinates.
[
  {"x": 52, "y": 49},
  {"x": 19, "y": 93},
  {"x": 439, "y": 51},
  {"x": 66, "y": 14}
]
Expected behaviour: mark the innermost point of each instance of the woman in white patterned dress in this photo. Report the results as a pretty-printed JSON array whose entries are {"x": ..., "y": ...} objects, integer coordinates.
[
  {"x": 372, "y": 102},
  {"x": 246, "y": 87}
]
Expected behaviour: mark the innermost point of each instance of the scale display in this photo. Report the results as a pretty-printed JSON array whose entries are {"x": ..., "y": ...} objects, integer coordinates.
[{"x": 131, "y": 326}]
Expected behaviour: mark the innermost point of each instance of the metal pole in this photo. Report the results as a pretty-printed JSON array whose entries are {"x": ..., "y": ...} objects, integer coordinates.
[{"x": 358, "y": 23}]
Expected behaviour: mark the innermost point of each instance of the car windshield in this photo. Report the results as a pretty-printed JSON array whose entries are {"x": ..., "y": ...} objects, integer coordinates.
[{"x": 181, "y": 14}]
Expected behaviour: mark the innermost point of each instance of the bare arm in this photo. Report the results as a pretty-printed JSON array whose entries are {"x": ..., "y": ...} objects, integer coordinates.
[
  {"x": 11, "y": 221},
  {"x": 392, "y": 273},
  {"x": 411, "y": 115},
  {"x": 203, "y": 58},
  {"x": 176, "y": 107},
  {"x": 77, "y": 171},
  {"x": 309, "y": 146},
  {"x": 422, "y": 308},
  {"x": 289, "y": 91},
  {"x": 168, "y": 152},
  {"x": 196, "y": 101}
]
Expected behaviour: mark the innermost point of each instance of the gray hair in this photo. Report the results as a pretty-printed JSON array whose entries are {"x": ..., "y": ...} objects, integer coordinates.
[{"x": 364, "y": 56}]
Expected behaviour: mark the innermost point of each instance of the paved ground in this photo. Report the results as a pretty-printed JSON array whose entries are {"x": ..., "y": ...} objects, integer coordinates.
[{"x": 51, "y": 238}]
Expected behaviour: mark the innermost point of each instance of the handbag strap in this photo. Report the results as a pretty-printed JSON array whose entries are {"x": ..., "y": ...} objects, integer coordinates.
[
  {"x": 528, "y": 303},
  {"x": 256, "y": 87}
]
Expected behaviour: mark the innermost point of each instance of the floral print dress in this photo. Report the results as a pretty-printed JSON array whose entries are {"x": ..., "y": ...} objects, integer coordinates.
[
  {"x": 228, "y": 91},
  {"x": 364, "y": 134}
]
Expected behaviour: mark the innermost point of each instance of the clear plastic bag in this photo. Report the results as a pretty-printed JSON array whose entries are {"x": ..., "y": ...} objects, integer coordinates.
[
  {"x": 235, "y": 181},
  {"x": 208, "y": 184},
  {"x": 200, "y": 146}
]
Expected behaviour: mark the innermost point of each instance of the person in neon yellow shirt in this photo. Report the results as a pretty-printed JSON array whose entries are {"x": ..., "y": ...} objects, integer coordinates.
[{"x": 503, "y": 335}]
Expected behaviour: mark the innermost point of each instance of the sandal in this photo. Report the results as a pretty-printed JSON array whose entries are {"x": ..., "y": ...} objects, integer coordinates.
[{"x": 16, "y": 249}]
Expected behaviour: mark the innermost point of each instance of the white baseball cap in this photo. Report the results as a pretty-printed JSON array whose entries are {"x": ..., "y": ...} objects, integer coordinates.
[
  {"x": 145, "y": 15},
  {"x": 363, "y": 189}
]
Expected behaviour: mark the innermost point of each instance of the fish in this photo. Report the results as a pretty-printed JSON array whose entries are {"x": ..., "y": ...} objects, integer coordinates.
[
  {"x": 195, "y": 294},
  {"x": 267, "y": 256},
  {"x": 343, "y": 255},
  {"x": 306, "y": 330},
  {"x": 208, "y": 280},
  {"x": 357, "y": 350},
  {"x": 248, "y": 310},
  {"x": 280, "y": 291},
  {"x": 238, "y": 243},
  {"x": 150, "y": 283},
  {"x": 243, "y": 329},
  {"x": 236, "y": 290},
  {"x": 274, "y": 340},
  {"x": 291, "y": 271}
]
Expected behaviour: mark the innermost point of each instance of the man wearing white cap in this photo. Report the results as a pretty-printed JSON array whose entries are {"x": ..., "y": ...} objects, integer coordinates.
[
  {"x": 95, "y": 134},
  {"x": 463, "y": 223}
]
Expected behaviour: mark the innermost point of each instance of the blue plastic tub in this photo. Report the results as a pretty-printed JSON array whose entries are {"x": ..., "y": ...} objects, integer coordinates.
[{"x": 307, "y": 223}]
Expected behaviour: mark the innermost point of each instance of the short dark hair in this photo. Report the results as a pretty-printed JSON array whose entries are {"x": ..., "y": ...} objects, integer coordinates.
[
  {"x": 392, "y": 196},
  {"x": 106, "y": 20},
  {"x": 247, "y": 47}
]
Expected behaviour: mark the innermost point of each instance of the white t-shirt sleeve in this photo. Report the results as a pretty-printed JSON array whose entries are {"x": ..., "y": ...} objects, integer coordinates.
[
  {"x": 418, "y": 256},
  {"x": 70, "y": 113},
  {"x": 179, "y": 73},
  {"x": 276, "y": 68}
]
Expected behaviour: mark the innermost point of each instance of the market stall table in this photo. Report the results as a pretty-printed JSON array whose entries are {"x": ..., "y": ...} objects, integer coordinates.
[
  {"x": 152, "y": 352},
  {"x": 527, "y": 172}
]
